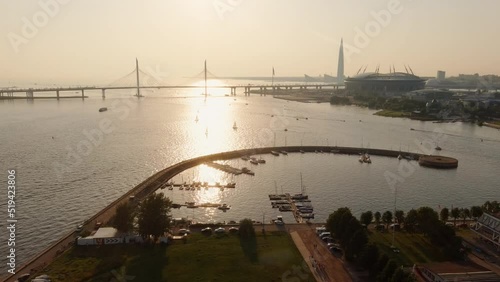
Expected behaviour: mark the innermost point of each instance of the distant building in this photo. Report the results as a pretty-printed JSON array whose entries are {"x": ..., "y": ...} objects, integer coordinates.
[
  {"x": 441, "y": 75},
  {"x": 451, "y": 272},
  {"x": 488, "y": 227},
  {"x": 387, "y": 84},
  {"x": 340, "y": 67}
]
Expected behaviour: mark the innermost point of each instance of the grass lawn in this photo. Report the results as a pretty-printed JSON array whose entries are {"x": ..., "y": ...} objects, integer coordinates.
[
  {"x": 200, "y": 259},
  {"x": 385, "y": 113},
  {"x": 413, "y": 247}
]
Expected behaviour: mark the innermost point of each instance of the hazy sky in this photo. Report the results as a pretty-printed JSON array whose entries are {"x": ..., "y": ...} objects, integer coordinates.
[{"x": 95, "y": 41}]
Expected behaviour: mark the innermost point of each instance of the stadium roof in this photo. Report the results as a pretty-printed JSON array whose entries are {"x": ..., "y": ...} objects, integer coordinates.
[{"x": 386, "y": 76}]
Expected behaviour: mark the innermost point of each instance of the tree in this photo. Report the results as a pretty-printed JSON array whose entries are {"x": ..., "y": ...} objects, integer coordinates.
[
  {"x": 464, "y": 214},
  {"x": 388, "y": 271},
  {"x": 377, "y": 218},
  {"x": 444, "y": 214},
  {"x": 368, "y": 256},
  {"x": 154, "y": 215},
  {"x": 124, "y": 218},
  {"x": 366, "y": 218},
  {"x": 357, "y": 243},
  {"x": 476, "y": 212},
  {"x": 379, "y": 265},
  {"x": 427, "y": 218},
  {"x": 246, "y": 229},
  {"x": 411, "y": 220},
  {"x": 338, "y": 220},
  {"x": 400, "y": 216},
  {"x": 387, "y": 218},
  {"x": 455, "y": 213}
]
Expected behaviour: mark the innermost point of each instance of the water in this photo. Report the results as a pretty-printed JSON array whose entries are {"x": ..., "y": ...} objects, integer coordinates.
[{"x": 72, "y": 161}]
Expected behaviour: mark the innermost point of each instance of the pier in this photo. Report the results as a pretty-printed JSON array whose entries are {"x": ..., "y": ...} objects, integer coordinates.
[{"x": 151, "y": 184}]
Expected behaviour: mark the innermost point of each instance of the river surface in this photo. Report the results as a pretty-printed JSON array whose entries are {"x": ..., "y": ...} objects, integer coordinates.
[{"x": 72, "y": 160}]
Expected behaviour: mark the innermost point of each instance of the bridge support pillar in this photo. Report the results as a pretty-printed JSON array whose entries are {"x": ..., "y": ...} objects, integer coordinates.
[
  {"x": 57, "y": 93},
  {"x": 29, "y": 94},
  {"x": 83, "y": 94},
  {"x": 104, "y": 93}
]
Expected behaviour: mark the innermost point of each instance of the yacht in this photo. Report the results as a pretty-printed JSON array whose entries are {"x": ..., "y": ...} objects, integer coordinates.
[
  {"x": 224, "y": 207},
  {"x": 299, "y": 196}
]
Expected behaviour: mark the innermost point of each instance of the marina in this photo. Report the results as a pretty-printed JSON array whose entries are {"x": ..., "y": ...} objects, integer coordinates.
[{"x": 230, "y": 169}]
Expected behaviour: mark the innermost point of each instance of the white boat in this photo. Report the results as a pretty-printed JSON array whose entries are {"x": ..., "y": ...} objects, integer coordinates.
[
  {"x": 284, "y": 152},
  {"x": 254, "y": 161},
  {"x": 274, "y": 153},
  {"x": 400, "y": 157}
]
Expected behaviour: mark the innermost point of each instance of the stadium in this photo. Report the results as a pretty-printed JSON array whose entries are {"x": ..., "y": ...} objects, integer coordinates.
[{"x": 387, "y": 84}]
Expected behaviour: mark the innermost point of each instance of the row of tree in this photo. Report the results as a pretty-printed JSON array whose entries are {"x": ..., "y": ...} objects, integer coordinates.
[
  {"x": 153, "y": 216},
  {"x": 353, "y": 238},
  {"x": 445, "y": 214}
]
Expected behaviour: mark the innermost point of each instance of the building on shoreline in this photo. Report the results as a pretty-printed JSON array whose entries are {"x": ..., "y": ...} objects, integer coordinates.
[{"x": 390, "y": 84}]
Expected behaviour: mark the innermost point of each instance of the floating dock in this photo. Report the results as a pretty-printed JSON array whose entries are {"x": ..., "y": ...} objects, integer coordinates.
[
  {"x": 230, "y": 169},
  {"x": 301, "y": 208}
]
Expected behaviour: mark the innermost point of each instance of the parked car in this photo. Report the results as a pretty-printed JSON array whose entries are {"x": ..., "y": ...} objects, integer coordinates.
[
  {"x": 23, "y": 277},
  {"x": 335, "y": 250},
  {"x": 323, "y": 234},
  {"x": 220, "y": 230},
  {"x": 320, "y": 230},
  {"x": 327, "y": 239},
  {"x": 233, "y": 230},
  {"x": 206, "y": 230},
  {"x": 184, "y": 231},
  {"x": 79, "y": 228}
]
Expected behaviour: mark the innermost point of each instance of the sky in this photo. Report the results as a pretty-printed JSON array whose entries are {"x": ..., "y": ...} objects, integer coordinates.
[{"x": 96, "y": 42}]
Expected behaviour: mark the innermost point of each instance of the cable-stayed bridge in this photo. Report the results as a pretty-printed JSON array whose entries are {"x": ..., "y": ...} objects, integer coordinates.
[{"x": 138, "y": 80}]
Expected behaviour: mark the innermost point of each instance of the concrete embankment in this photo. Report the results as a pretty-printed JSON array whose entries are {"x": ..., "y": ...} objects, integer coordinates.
[{"x": 155, "y": 181}]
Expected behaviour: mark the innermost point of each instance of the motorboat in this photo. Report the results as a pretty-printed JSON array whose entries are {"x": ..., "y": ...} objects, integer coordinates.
[
  {"x": 245, "y": 158},
  {"x": 224, "y": 207},
  {"x": 438, "y": 148},
  {"x": 274, "y": 153},
  {"x": 103, "y": 109},
  {"x": 261, "y": 161},
  {"x": 254, "y": 161}
]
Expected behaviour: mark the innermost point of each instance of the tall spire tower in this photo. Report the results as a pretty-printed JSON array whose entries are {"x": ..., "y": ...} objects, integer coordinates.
[{"x": 340, "y": 68}]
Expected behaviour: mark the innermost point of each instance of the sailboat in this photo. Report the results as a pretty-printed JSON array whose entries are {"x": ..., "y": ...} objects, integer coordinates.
[
  {"x": 275, "y": 153},
  {"x": 235, "y": 127},
  {"x": 302, "y": 195}
]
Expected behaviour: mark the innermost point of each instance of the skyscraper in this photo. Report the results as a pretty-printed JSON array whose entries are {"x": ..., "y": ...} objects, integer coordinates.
[{"x": 340, "y": 68}]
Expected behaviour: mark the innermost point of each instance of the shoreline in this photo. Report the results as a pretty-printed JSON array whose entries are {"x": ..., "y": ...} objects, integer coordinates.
[{"x": 153, "y": 183}]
